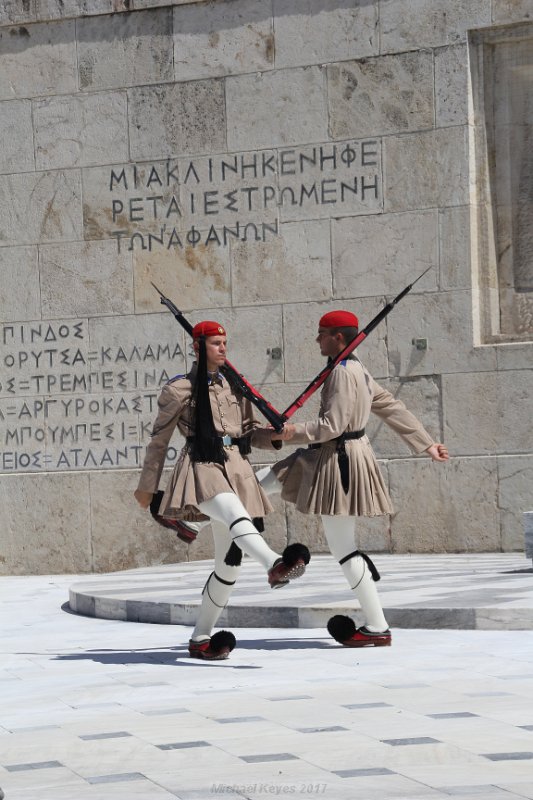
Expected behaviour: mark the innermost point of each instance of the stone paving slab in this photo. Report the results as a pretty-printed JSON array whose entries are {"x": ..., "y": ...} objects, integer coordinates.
[
  {"x": 96, "y": 709},
  {"x": 475, "y": 591}
]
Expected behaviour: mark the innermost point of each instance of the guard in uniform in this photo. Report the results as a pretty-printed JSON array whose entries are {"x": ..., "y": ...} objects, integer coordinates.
[
  {"x": 214, "y": 479},
  {"x": 337, "y": 475}
]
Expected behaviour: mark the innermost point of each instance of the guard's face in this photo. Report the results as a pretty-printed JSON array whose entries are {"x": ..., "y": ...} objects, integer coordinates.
[
  {"x": 215, "y": 348},
  {"x": 329, "y": 345}
]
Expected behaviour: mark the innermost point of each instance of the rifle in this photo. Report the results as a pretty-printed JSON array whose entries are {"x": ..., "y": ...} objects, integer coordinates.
[
  {"x": 240, "y": 383},
  {"x": 276, "y": 418},
  {"x": 350, "y": 347}
]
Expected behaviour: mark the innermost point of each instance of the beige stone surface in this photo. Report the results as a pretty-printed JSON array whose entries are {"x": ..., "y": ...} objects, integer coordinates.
[
  {"x": 251, "y": 332},
  {"x": 40, "y": 207},
  {"x": 514, "y": 355},
  {"x": 306, "y": 529},
  {"x": 423, "y": 170},
  {"x": 429, "y": 24},
  {"x": 43, "y": 530},
  {"x": 382, "y": 254},
  {"x": 37, "y": 60},
  {"x": 515, "y": 475},
  {"x": 123, "y": 535},
  {"x": 454, "y": 247},
  {"x": 314, "y": 32},
  {"x": 292, "y": 267},
  {"x": 82, "y": 278},
  {"x": 125, "y": 49},
  {"x": 330, "y": 180},
  {"x": 300, "y": 326},
  {"x": 504, "y": 11},
  {"x": 19, "y": 287},
  {"x": 422, "y": 396},
  {"x": 16, "y": 153},
  {"x": 174, "y": 119},
  {"x": 217, "y": 39},
  {"x": 445, "y": 320},
  {"x": 192, "y": 277},
  {"x": 450, "y": 507},
  {"x": 373, "y": 96},
  {"x": 488, "y": 412},
  {"x": 76, "y": 131},
  {"x": 272, "y": 109},
  {"x": 128, "y": 198},
  {"x": 451, "y": 86}
]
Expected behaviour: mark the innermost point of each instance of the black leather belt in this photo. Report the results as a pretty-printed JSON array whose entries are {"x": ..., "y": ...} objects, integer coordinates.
[
  {"x": 342, "y": 456},
  {"x": 242, "y": 442}
]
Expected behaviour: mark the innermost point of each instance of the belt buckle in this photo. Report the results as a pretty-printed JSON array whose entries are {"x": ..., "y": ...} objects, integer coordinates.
[{"x": 226, "y": 440}]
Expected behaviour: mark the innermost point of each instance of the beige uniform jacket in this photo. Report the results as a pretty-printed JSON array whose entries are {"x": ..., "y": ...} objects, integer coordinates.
[
  {"x": 192, "y": 483},
  {"x": 311, "y": 478}
]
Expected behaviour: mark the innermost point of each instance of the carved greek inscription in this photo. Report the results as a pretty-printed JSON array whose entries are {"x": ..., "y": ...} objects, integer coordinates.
[
  {"x": 213, "y": 200},
  {"x": 66, "y": 404}
]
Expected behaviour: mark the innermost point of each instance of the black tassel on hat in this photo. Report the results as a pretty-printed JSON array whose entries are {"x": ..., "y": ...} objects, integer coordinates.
[{"x": 207, "y": 444}]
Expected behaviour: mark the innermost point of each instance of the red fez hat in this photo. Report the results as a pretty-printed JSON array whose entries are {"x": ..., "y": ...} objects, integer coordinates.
[
  {"x": 207, "y": 328},
  {"x": 339, "y": 319}
]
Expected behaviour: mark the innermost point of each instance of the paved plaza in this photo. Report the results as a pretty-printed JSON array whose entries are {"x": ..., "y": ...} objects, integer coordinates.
[{"x": 105, "y": 709}]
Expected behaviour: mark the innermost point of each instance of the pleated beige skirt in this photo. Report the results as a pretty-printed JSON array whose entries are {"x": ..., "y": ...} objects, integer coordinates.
[{"x": 311, "y": 480}]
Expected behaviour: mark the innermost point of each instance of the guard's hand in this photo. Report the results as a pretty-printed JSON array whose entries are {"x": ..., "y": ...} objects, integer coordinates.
[
  {"x": 286, "y": 433},
  {"x": 438, "y": 452},
  {"x": 143, "y": 498}
]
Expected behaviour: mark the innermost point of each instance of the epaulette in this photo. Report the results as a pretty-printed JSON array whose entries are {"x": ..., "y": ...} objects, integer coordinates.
[{"x": 175, "y": 378}]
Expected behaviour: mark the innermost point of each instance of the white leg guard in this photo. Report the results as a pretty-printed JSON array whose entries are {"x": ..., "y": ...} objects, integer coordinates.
[
  {"x": 341, "y": 540},
  {"x": 268, "y": 481},
  {"x": 227, "y": 508},
  {"x": 219, "y": 585}
]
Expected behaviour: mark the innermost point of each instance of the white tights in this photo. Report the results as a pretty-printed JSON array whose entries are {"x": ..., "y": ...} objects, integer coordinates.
[
  {"x": 229, "y": 537},
  {"x": 340, "y": 536}
]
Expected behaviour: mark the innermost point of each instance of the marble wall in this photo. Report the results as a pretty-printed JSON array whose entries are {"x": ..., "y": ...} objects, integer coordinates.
[{"x": 261, "y": 162}]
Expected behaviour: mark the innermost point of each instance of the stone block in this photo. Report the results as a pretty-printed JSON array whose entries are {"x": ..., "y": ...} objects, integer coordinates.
[
  {"x": 16, "y": 154},
  {"x": 307, "y": 529},
  {"x": 85, "y": 278},
  {"x": 374, "y": 96},
  {"x": 314, "y": 32},
  {"x": 505, "y": 11},
  {"x": 423, "y": 398},
  {"x": 383, "y": 253},
  {"x": 40, "y": 207},
  {"x": 514, "y": 355},
  {"x": 426, "y": 169},
  {"x": 451, "y": 86},
  {"x": 454, "y": 248},
  {"x": 373, "y": 534},
  {"x": 445, "y": 320},
  {"x": 12, "y": 11},
  {"x": 123, "y": 535},
  {"x": 300, "y": 325},
  {"x": 292, "y": 267},
  {"x": 75, "y": 131},
  {"x": 125, "y": 49},
  {"x": 45, "y": 523},
  {"x": 503, "y": 404},
  {"x": 193, "y": 277},
  {"x": 217, "y": 39},
  {"x": 58, "y": 9},
  {"x": 131, "y": 198},
  {"x": 252, "y": 331},
  {"x": 229, "y": 189},
  {"x": 276, "y": 525},
  {"x": 448, "y": 508},
  {"x": 515, "y": 474},
  {"x": 37, "y": 60},
  {"x": 179, "y": 118},
  {"x": 273, "y": 109},
  {"x": 429, "y": 24},
  {"x": 336, "y": 179},
  {"x": 19, "y": 299}
]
